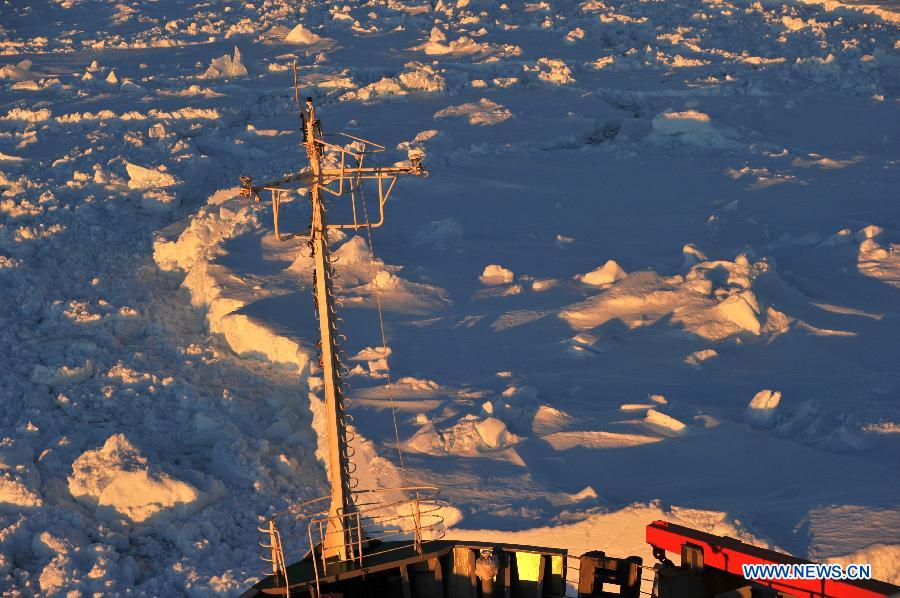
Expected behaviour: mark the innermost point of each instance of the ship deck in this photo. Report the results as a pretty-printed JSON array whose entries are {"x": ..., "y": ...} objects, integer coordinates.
[{"x": 383, "y": 557}]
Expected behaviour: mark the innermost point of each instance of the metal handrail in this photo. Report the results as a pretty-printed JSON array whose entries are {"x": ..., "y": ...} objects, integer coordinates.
[
  {"x": 415, "y": 516},
  {"x": 279, "y": 566}
]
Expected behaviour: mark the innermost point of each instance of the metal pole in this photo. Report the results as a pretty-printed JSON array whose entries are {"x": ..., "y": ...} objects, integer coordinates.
[
  {"x": 274, "y": 548},
  {"x": 276, "y": 197},
  {"x": 418, "y": 521},
  {"x": 337, "y": 536}
]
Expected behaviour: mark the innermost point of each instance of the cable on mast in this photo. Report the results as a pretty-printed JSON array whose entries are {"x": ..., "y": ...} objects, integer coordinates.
[{"x": 387, "y": 368}]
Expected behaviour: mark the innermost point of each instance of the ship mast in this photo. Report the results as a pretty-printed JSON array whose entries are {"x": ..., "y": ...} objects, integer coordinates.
[
  {"x": 337, "y": 534},
  {"x": 340, "y": 536}
]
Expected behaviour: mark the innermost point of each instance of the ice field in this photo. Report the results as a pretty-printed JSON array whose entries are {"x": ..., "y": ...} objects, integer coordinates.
[{"x": 654, "y": 273}]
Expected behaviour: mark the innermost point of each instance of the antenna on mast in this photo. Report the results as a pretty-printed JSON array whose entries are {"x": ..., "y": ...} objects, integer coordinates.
[{"x": 343, "y": 533}]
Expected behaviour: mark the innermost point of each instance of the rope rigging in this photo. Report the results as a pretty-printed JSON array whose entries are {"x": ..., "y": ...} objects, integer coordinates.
[{"x": 387, "y": 369}]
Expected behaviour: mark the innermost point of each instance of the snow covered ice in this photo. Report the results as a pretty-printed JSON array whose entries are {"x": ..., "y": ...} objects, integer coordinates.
[{"x": 654, "y": 273}]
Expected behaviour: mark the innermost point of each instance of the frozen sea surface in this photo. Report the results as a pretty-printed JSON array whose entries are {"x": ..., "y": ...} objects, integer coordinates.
[{"x": 654, "y": 273}]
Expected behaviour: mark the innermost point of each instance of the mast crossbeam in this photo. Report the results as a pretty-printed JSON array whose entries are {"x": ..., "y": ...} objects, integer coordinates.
[{"x": 328, "y": 176}]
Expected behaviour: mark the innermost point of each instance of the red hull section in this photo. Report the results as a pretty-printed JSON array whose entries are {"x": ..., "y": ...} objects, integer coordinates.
[{"x": 729, "y": 555}]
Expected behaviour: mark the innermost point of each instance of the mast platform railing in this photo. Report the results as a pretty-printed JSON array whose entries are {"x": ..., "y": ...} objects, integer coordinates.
[{"x": 391, "y": 524}]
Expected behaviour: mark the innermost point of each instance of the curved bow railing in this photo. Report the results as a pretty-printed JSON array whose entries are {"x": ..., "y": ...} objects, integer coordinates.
[{"x": 382, "y": 522}]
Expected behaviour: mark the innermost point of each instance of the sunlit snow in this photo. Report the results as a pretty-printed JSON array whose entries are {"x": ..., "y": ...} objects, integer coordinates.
[{"x": 654, "y": 273}]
